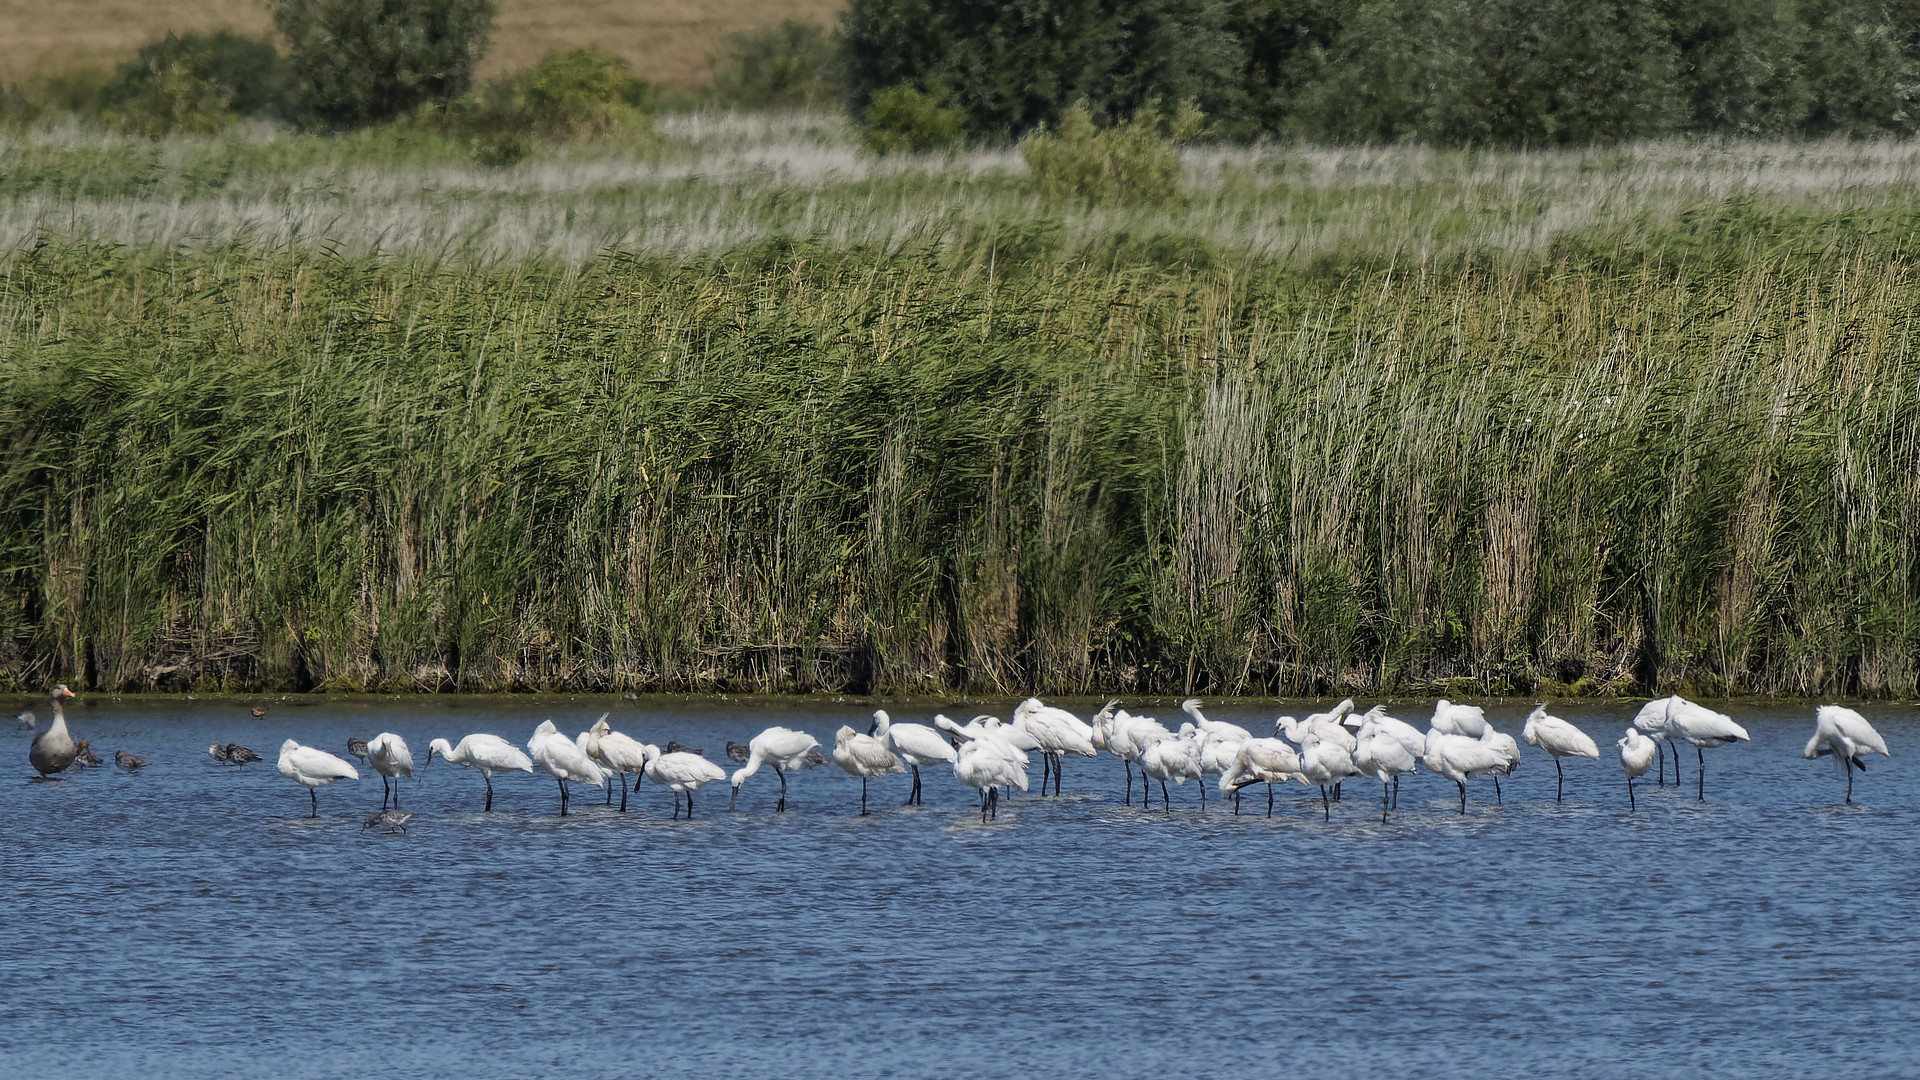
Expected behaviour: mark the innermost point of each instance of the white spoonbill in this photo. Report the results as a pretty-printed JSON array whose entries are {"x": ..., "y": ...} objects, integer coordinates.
[
  {"x": 1128, "y": 736},
  {"x": 780, "y": 749},
  {"x": 917, "y": 745},
  {"x": 389, "y": 756},
  {"x": 1502, "y": 742},
  {"x": 54, "y": 749},
  {"x": 563, "y": 760},
  {"x": 1058, "y": 733},
  {"x": 865, "y": 757},
  {"x": 1846, "y": 735},
  {"x": 1654, "y": 721},
  {"x": 682, "y": 771},
  {"x": 1636, "y": 756},
  {"x": 1702, "y": 727},
  {"x": 312, "y": 769},
  {"x": 619, "y": 753},
  {"x": 1400, "y": 731},
  {"x": 1460, "y": 759},
  {"x": 986, "y": 765},
  {"x": 1261, "y": 761},
  {"x": 1383, "y": 757},
  {"x": 1176, "y": 759},
  {"x": 1452, "y": 719},
  {"x": 1327, "y": 764},
  {"x": 1559, "y": 738},
  {"x": 488, "y": 753}
]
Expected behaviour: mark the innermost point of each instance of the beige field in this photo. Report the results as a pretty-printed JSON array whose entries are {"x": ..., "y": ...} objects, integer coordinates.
[{"x": 667, "y": 40}]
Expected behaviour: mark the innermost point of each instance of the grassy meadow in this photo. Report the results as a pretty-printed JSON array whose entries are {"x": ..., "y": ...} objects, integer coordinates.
[{"x": 745, "y": 409}]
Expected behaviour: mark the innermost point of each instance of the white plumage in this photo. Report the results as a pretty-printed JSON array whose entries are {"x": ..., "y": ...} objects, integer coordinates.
[
  {"x": 1176, "y": 759},
  {"x": 1326, "y": 763},
  {"x": 1056, "y": 732},
  {"x": 865, "y": 757},
  {"x": 313, "y": 769},
  {"x": 1460, "y": 758},
  {"x": 1261, "y": 761},
  {"x": 387, "y": 753},
  {"x": 1452, "y": 719},
  {"x": 1381, "y": 755},
  {"x": 1846, "y": 736},
  {"x": 779, "y": 748},
  {"x": 916, "y": 744},
  {"x": 1636, "y": 757},
  {"x": 618, "y": 753},
  {"x": 487, "y": 753},
  {"x": 1559, "y": 738},
  {"x": 563, "y": 759},
  {"x": 684, "y": 773},
  {"x": 987, "y": 764}
]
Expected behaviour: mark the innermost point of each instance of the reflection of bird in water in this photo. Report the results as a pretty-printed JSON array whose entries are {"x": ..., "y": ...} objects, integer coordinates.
[
  {"x": 28, "y": 721},
  {"x": 677, "y": 748},
  {"x": 53, "y": 749},
  {"x": 357, "y": 748},
  {"x": 394, "y": 820},
  {"x": 734, "y": 750},
  {"x": 87, "y": 756},
  {"x": 128, "y": 761}
]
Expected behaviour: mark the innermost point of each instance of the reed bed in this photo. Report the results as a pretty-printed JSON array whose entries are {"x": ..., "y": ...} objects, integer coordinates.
[{"x": 940, "y": 469}]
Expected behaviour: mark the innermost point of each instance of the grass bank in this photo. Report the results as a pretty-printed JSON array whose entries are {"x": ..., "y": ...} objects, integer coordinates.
[{"x": 945, "y": 463}]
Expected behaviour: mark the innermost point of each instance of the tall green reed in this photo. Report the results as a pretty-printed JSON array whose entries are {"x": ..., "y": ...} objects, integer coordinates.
[{"x": 793, "y": 468}]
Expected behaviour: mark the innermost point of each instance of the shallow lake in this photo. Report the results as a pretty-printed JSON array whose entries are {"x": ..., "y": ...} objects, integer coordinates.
[{"x": 192, "y": 921}]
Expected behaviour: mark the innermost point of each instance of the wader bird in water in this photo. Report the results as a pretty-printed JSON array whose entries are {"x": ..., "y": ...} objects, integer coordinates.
[
  {"x": 313, "y": 769},
  {"x": 916, "y": 744},
  {"x": 54, "y": 749},
  {"x": 865, "y": 757},
  {"x": 1846, "y": 736},
  {"x": 780, "y": 749},
  {"x": 1559, "y": 738},
  {"x": 488, "y": 753},
  {"x": 1636, "y": 757}
]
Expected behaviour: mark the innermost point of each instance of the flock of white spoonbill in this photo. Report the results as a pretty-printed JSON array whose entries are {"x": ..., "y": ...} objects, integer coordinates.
[{"x": 989, "y": 754}]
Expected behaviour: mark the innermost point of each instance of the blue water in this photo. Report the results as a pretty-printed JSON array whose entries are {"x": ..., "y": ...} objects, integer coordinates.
[{"x": 191, "y": 921}]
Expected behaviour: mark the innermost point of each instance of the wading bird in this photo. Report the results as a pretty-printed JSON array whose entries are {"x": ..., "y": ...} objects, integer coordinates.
[
  {"x": 488, "y": 753},
  {"x": 916, "y": 744},
  {"x": 389, "y": 756},
  {"x": 1636, "y": 757},
  {"x": 1460, "y": 758},
  {"x": 27, "y": 720},
  {"x": 1176, "y": 759},
  {"x": 1502, "y": 742},
  {"x": 1327, "y": 764},
  {"x": 1452, "y": 719},
  {"x": 1654, "y": 721},
  {"x": 1261, "y": 761},
  {"x": 53, "y": 750},
  {"x": 1381, "y": 755},
  {"x": 240, "y": 755},
  {"x": 313, "y": 768},
  {"x": 563, "y": 760},
  {"x": 1702, "y": 727},
  {"x": 1846, "y": 736},
  {"x": 620, "y": 754},
  {"x": 780, "y": 749},
  {"x": 395, "y": 820},
  {"x": 987, "y": 764},
  {"x": 1057, "y": 733},
  {"x": 737, "y": 752},
  {"x": 1559, "y": 738},
  {"x": 684, "y": 772},
  {"x": 863, "y": 756},
  {"x": 86, "y": 756},
  {"x": 357, "y": 748},
  {"x": 128, "y": 761}
]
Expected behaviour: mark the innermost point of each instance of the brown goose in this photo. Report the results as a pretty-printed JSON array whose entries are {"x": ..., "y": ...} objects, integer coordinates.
[{"x": 53, "y": 749}]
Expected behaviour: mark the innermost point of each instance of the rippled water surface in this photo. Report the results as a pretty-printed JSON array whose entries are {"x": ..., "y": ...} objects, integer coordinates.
[{"x": 191, "y": 921}]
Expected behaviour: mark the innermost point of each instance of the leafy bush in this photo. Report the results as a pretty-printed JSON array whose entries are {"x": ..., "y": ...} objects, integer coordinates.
[
  {"x": 1138, "y": 161},
  {"x": 1010, "y": 65},
  {"x": 198, "y": 82},
  {"x": 904, "y": 118},
  {"x": 584, "y": 93},
  {"x": 363, "y": 61},
  {"x": 785, "y": 66},
  {"x": 50, "y": 93}
]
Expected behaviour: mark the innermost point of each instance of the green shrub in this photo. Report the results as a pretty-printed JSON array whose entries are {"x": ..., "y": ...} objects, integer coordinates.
[
  {"x": 584, "y": 93},
  {"x": 45, "y": 95},
  {"x": 196, "y": 82},
  {"x": 904, "y": 118},
  {"x": 1138, "y": 161},
  {"x": 784, "y": 66},
  {"x": 363, "y": 61}
]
